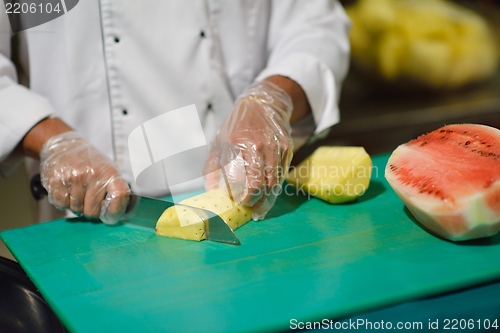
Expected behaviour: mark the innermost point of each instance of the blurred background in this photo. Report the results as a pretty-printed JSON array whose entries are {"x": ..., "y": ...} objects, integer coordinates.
[{"x": 416, "y": 65}]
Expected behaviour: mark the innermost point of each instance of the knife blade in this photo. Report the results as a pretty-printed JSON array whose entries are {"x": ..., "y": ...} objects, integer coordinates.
[{"x": 145, "y": 212}]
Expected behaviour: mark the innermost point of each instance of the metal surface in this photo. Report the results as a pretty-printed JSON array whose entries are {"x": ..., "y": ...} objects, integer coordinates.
[{"x": 145, "y": 212}]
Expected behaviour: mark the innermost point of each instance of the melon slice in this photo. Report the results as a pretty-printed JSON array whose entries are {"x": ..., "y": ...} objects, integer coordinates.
[
  {"x": 181, "y": 221},
  {"x": 450, "y": 180},
  {"x": 334, "y": 174}
]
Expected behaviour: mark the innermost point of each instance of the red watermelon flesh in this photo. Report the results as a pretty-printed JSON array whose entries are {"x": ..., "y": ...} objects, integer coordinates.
[{"x": 450, "y": 180}]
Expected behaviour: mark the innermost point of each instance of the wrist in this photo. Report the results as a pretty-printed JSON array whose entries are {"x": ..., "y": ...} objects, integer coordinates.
[
  {"x": 61, "y": 142},
  {"x": 33, "y": 142},
  {"x": 299, "y": 99},
  {"x": 270, "y": 95}
]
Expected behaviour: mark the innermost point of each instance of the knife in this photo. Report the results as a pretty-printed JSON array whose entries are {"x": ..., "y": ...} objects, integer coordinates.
[{"x": 145, "y": 212}]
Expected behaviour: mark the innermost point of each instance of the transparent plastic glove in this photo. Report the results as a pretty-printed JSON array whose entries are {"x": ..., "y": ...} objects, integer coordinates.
[
  {"x": 79, "y": 177},
  {"x": 253, "y": 148}
]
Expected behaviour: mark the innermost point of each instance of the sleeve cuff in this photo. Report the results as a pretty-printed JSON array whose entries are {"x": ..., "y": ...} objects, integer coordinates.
[
  {"x": 21, "y": 110},
  {"x": 317, "y": 81}
]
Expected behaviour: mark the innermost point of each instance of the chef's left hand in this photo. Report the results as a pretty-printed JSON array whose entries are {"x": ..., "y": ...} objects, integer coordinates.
[{"x": 253, "y": 148}]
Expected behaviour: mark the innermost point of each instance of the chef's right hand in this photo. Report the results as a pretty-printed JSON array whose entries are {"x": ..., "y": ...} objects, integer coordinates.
[{"x": 79, "y": 177}]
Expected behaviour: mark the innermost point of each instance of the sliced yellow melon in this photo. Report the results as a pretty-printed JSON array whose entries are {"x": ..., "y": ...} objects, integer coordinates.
[
  {"x": 334, "y": 174},
  {"x": 181, "y": 221}
]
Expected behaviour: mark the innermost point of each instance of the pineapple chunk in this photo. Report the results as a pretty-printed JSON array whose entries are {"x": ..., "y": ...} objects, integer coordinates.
[
  {"x": 429, "y": 60},
  {"x": 391, "y": 50},
  {"x": 378, "y": 15},
  {"x": 334, "y": 174},
  {"x": 181, "y": 221}
]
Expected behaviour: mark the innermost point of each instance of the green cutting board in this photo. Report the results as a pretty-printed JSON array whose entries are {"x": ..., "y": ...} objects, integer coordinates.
[{"x": 308, "y": 261}]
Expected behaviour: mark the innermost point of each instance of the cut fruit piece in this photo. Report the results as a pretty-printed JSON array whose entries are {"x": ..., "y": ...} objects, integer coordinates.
[
  {"x": 334, "y": 174},
  {"x": 181, "y": 221},
  {"x": 450, "y": 180}
]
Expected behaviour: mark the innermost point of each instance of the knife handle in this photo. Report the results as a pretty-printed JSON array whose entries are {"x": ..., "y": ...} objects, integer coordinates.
[{"x": 37, "y": 190}]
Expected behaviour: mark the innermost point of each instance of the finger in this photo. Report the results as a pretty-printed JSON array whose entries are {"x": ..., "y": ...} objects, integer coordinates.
[
  {"x": 271, "y": 170},
  {"x": 277, "y": 163},
  {"x": 115, "y": 204},
  {"x": 57, "y": 192},
  {"x": 212, "y": 180},
  {"x": 94, "y": 196},
  {"x": 271, "y": 180},
  {"x": 58, "y": 197},
  {"x": 211, "y": 169},
  {"x": 244, "y": 172},
  {"x": 254, "y": 178},
  {"x": 261, "y": 208},
  {"x": 77, "y": 195},
  {"x": 232, "y": 170}
]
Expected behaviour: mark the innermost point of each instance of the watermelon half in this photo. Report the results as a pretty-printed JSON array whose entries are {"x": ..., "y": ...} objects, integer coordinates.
[{"x": 450, "y": 180}]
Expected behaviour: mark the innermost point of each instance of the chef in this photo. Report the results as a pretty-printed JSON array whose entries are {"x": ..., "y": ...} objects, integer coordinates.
[{"x": 72, "y": 91}]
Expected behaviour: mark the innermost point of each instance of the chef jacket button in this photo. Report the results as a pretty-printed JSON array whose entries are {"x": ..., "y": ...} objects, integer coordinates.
[
  {"x": 117, "y": 40},
  {"x": 202, "y": 34},
  {"x": 209, "y": 106},
  {"x": 125, "y": 112}
]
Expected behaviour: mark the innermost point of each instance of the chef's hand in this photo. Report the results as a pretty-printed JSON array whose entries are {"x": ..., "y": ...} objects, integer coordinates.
[
  {"x": 79, "y": 177},
  {"x": 253, "y": 148}
]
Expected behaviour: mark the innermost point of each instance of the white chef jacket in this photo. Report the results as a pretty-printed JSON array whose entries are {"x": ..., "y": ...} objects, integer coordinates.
[{"x": 108, "y": 66}]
